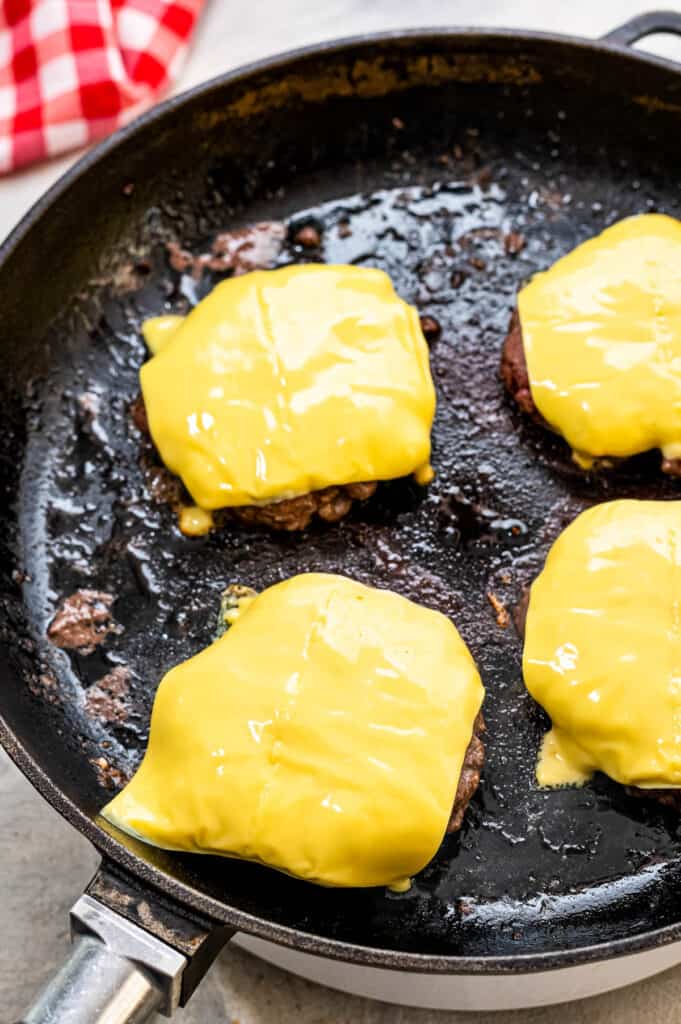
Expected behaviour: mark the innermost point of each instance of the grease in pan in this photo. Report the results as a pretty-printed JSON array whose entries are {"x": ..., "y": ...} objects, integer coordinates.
[{"x": 324, "y": 734}]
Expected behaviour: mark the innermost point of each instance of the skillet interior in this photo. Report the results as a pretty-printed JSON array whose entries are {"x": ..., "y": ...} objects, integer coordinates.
[{"x": 568, "y": 138}]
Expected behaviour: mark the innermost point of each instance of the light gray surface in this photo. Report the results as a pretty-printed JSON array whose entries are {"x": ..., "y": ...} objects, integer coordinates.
[{"x": 43, "y": 864}]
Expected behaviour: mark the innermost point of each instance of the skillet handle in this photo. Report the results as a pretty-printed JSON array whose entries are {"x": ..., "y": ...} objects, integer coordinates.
[
  {"x": 134, "y": 953},
  {"x": 645, "y": 25},
  {"x": 116, "y": 972}
]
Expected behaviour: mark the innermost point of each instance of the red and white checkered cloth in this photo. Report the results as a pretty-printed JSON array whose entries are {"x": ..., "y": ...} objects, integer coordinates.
[{"x": 72, "y": 71}]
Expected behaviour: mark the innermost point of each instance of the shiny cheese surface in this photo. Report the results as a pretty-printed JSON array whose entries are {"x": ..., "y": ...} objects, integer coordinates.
[
  {"x": 603, "y": 646},
  {"x": 602, "y": 338},
  {"x": 323, "y": 735},
  {"x": 282, "y": 382}
]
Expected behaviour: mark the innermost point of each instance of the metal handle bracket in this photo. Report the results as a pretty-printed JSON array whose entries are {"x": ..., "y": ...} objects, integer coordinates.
[
  {"x": 134, "y": 953},
  {"x": 645, "y": 25},
  {"x": 164, "y": 965}
]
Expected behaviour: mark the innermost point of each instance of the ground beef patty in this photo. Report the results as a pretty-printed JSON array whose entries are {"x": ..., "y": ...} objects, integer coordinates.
[
  {"x": 514, "y": 374},
  {"x": 668, "y": 797},
  {"x": 469, "y": 780},
  {"x": 331, "y": 504}
]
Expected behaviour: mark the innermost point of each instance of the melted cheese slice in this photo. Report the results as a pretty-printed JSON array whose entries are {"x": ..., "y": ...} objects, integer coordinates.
[
  {"x": 602, "y": 337},
  {"x": 287, "y": 381},
  {"x": 603, "y": 646},
  {"x": 323, "y": 735}
]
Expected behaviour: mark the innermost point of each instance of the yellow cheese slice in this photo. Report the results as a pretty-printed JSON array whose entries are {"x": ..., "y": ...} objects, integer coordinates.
[
  {"x": 602, "y": 337},
  {"x": 322, "y": 735},
  {"x": 603, "y": 646},
  {"x": 282, "y": 382}
]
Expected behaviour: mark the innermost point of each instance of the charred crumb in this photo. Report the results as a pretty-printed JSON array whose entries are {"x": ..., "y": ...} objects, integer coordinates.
[
  {"x": 308, "y": 236},
  {"x": 108, "y": 776},
  {"x": 89, "y": 404},
  {"x": 128, "y": 277},
  {"x": 514, "y": 243},
  {"x": 164, "y": 487},
  {"x": 180, "y": 259},
  {"x": 105, "y": 699},
  {"x": 500, "y": 609},
  {"x": 468, "y": 239},
  {"x": 431, "y": 328},
  {"x": 469, "y": 780},
  {"x": 45, "y": 686},
  {"x": 251, "y": 248},
  {"x": 457, "y": 279},
  {"x": 478, "y": 263},
  {"x": 483, "y": 178},
  {"x": 672, "y": 467},
  {"x": 83, "y": 621},
  {"x": 552, "y": 198},
  {"x": 344, "y": 229}
]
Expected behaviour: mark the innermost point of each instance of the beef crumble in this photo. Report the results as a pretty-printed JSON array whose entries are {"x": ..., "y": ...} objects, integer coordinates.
[
  {"x": 252, "y": 248},
  {"x": 83, "y": 621},
  {"x": 105, "y": 699}
]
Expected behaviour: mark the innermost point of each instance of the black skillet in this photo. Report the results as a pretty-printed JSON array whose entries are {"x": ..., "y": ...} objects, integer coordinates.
[{"x": 430, "y": 148}]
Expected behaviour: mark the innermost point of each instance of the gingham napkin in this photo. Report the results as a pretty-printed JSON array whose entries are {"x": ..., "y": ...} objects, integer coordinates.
[{"x": 71, "y": 71}]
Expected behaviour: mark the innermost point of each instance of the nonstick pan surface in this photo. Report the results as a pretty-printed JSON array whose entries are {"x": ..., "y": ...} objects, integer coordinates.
[{"x": 421, "y": 155}]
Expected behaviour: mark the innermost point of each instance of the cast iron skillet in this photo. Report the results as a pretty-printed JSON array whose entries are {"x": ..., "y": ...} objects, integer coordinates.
[{"x": 432, "y": 147}]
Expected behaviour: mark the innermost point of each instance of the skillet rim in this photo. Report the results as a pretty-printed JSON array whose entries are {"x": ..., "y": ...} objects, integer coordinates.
[{"x": 110, "y": 848}]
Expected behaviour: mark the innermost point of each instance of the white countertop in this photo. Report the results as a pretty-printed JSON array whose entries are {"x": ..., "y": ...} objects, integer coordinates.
[{"x": 44, "y": 865}]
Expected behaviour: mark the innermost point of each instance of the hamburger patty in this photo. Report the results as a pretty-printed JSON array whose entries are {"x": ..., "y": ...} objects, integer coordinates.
[
  {"x": 469, "y": 780},
  {"x": 516, "y": 379},
  {"x": 331, "y": 504},
  {"x": 668, "y": 797}
]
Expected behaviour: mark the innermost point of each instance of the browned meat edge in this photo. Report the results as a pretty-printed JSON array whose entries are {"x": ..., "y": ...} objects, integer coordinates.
[
  {"x": 667, "y": 797},
  {"x": 469, "y": 780},
  {"x": 513, "y": 372},
  {"x": 330, "y": 504}
]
